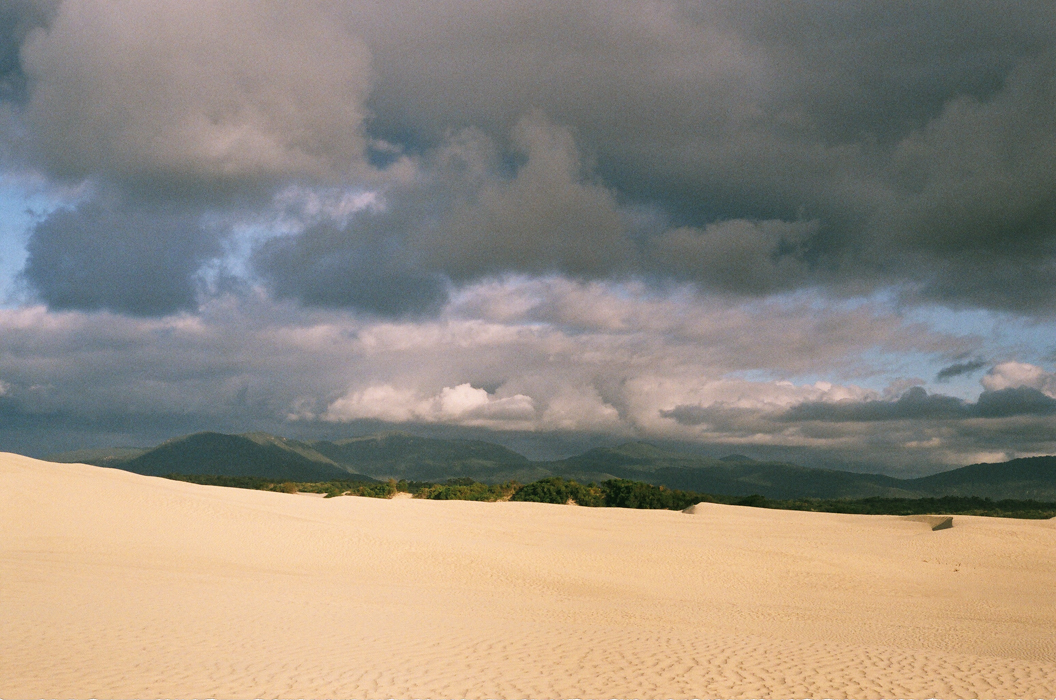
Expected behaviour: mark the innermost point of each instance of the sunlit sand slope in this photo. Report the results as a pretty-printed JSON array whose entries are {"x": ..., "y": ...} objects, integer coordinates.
[{"x": 118, "y": 585}]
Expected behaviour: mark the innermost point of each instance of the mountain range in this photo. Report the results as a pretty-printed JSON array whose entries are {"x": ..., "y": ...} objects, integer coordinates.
[{"x": 405, "y": 456}]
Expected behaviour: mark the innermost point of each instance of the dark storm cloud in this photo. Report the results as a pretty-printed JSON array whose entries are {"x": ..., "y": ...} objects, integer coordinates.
[
  {"x": 17, "y": 19},
  {"x": 333, "y": 267},
  {"x": 193, "y": 98},
  {"x": 750, "y": 147},
  {"x": 689, "y": 415},
  {"x": 466, "y": 215},
  {"x": 748, "y": 257},
  {"x": 917, "y": 140},
  {"x": 1017, "y": 401},
  {"x": 178, "y": 112},
  {"x": 917, "y": 405},
  {"x": 957, "y": 369},
  {"x": 125, "y": 258}
]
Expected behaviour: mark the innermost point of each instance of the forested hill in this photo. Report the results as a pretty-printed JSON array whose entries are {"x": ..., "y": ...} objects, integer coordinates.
[
  {"x": 405, "y": 456},
  {"x": 254, "y": 454},
  {"x": 1026, "y": 478}
]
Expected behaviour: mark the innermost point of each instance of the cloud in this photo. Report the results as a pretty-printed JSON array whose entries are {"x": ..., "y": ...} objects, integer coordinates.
[
  {"x": 548, "y": 217},
  {"x": 356, "y": 266},
  {"x": 135, "y": 259},
  {"x": 688, "y": 415},
  {"x": 460, "y": 219},
  {"x": 194, "y": 96},
  {"x": 975, "y": 195},
  {"x": 731, "y": 398},
  {"x": 918, "y": 165},
  {"x": 749, "y": 149},
  {"x": 748, "y": 257},
  {"x": 568, "y": 409},
  {"x": 461, "y": 405},
  {"x": 917, "y": 405},
  {"x": 914, "y": 404},
  {"x": 546, "y": 357},
  {"x": 670, "y": 220},
  {"x": 1009, "y": 375},
  {"x": 959, "y": 368},
  {"x": 1015, "y": 401},
  {"x": 17, "y": 19}
]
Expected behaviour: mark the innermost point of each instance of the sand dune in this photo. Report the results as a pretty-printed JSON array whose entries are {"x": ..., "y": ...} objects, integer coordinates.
[{"x": 118, "y": 585}]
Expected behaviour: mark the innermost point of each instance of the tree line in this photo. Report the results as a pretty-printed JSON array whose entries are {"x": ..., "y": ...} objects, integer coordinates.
[{"x": 624, "y": 493}]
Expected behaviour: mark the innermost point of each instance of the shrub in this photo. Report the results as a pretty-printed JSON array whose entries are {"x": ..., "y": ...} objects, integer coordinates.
[{"x": 468, "y": 490}]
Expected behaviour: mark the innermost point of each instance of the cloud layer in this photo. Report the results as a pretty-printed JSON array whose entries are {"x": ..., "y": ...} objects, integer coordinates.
[
  {"x": 527, "y": 357},
  {"x": 733, "y": 223},
  {"x": 749, "y": 148}
]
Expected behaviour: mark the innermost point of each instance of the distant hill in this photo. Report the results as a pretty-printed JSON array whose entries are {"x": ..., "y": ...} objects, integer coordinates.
[
  {"x": 254, "y": 454},
  {"x": 734, "y": 475},
  {"x": 100, "y": 457},
  {"x": 405, "y": 456},
  {"x": 1026, "y": 478}
]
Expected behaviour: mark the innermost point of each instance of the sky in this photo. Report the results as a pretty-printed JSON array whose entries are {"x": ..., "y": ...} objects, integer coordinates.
[{"x": 823, "y": 232}]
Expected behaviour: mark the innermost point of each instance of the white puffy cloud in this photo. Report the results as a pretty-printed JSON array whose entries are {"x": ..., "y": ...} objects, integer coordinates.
[
  {"x": 1009, "y": 375},
  {"x": 457, "y": 405}
]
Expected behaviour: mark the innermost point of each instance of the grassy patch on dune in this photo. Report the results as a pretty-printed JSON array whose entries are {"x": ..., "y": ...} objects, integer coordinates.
[{"x": 623, "y": 493}]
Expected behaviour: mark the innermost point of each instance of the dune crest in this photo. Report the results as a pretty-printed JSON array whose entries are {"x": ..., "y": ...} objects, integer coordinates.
[{"x": 119, "y": 585}]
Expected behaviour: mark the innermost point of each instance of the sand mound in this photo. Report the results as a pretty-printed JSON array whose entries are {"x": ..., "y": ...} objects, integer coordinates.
[
  {"x": 705, "y": 507},
  {"x": 118, "y": 585},
  {"x": 935, "y": 522}
]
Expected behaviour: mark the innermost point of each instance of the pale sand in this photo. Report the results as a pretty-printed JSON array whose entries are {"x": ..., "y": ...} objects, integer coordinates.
[{"x": 118, "y": 585}]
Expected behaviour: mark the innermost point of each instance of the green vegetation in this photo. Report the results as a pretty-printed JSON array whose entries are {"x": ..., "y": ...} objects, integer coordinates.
[
  {"x": 946, "y": 505},
  {"x": 465, "y": 489},
  {"x": 612, "y": 493},
  {"x": 554, "y": 489},
  {"x": 338, "y": 487},
  {"x": 624, "y": 493}
]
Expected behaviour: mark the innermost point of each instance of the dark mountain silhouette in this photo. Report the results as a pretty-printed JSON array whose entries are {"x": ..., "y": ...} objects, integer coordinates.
[
  {"x": 99, "y": 456},
  {"x": 405, "y": 456},
  {"x": 734, "y": 475},
  {"x": 1025, "y": 478},
  {"x": 254, "y": 454}
]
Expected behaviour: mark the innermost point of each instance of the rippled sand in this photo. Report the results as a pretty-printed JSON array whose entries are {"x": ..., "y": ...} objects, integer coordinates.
[{"x": 118, "y": 585}]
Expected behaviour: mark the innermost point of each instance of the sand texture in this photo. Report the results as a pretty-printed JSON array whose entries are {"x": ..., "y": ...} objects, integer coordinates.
[{"x": 118, "y": 585}]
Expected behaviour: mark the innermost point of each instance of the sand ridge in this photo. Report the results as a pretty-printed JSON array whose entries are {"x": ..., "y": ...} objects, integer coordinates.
[{"x": 118, "y": 585}]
